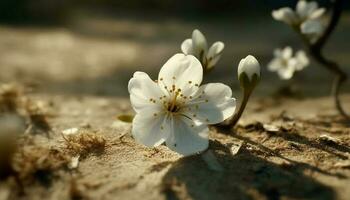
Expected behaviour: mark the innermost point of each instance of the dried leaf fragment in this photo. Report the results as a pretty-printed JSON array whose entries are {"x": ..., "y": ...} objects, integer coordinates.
[
  {"x": 271, "y": 128},
  {"x": 343, "y": 164},
  {"x": 235, "y": 147},
  {"x": 328, "y": 139},
  {"x": 126, "y": 118},
  {"x": 74, "y": 163}
]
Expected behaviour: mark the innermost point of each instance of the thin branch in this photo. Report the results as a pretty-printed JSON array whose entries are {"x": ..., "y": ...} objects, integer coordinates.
[
  {"x": 336, "y": 14},
  {"x": 315, "y": 50}
]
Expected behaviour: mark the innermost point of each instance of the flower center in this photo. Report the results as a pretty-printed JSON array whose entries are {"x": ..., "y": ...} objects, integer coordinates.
[
  {"x": 284, "y": 63},
  {"x": 172, "y": 105},
  {"x": 175, "y": 99},
  {"x": 173, "y": 108}
]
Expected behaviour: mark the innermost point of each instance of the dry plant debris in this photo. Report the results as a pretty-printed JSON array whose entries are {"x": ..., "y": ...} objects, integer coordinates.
[
  {"x": 37, "y": 114},
  {"x": 32, "y": 161},
  {"x": 77, "y": 191},
  {"x": 235, "y": 147},
  {"x": 343, "y": 164},
  {"x": 11, "y": 126},
  {"x": 9, "y": 98},
  {"x": 14, "y": 101},
  {"x": 83, "y": 141}
]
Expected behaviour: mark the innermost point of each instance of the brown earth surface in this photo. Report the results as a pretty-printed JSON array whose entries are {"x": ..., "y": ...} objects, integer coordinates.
[{"x": 282, "y": 156}]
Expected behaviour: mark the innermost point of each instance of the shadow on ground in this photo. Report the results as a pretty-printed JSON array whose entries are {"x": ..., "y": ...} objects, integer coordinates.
[{"x": 246, "y": 176}]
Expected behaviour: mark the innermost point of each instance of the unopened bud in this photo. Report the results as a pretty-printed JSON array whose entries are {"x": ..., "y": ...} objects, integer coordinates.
[{"x": 249, "y": 72}]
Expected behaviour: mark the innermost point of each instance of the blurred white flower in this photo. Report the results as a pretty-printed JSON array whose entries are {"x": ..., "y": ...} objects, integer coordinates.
[
  {"x": 175, "y": 109},
  {"x": 198, "y": 47},
  {"x": 250, "y": 67},
  {"x": 312, "y": 29},
  {"x": 285, "y": 15},
  {"x": 307, "y": 17},
  {"x": 285, "y": 64},
  {"x": 308, "y": 10}
]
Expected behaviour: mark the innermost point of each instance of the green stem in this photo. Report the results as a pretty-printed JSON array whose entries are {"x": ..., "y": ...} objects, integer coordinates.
[{"x": 233, "y": 121}]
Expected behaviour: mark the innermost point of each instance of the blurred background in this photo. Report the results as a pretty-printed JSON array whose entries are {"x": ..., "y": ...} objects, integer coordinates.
[{"x": 92, "y": 47}]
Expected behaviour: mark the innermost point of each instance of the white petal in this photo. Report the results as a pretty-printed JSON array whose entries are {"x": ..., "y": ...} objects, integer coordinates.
[
  {"x": 149, "y": 129},
  {"x": 212, "y": 62},
  {"x": 286, "y": 15},
  {"x": 212, "y": 104},
  {"x": 288, "y": 69},
  {"x": 286, "y": 73},
  {"x": 183, "y": 71},
  {"x": 187, "y": 47},
  {"x": 275, "y": 64},
  {"x": 317, "y": 13},
  {"x": 287, "y": 53},
  {"x": 200, "y": 46},
  {"x": 302, "y": 60},
  {"x": 216, "y": 49},
  {"x": 312, "y": 27},
  {"x": 188, "y": 138},
  {"x": 277, "y": 53},
  {"x": 301, "y": 8},
  {"x": 305, "y": 9},
  {"x": 142, "y": 89},
  {"x": 214, "y": 54}
]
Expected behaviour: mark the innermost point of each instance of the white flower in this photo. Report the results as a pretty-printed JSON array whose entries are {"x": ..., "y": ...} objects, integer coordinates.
[
  {"x": 198, "y": 47},
  {"x": 307, "y": 17},
  {"x": 175, "y": 109},
  {"x": 285, "y": 64},
  {"x": 308, "y": 10}
]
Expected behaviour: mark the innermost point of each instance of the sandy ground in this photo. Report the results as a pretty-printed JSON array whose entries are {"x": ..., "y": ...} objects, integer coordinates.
[
  {"x": 81, "y": 74},
  {"x": 282, "y": 158}
]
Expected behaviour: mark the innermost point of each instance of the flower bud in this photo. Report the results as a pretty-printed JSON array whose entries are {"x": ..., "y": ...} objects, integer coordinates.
[
  {"x": 200, "y": 46},
  {"x": 249, "y": 72}
]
